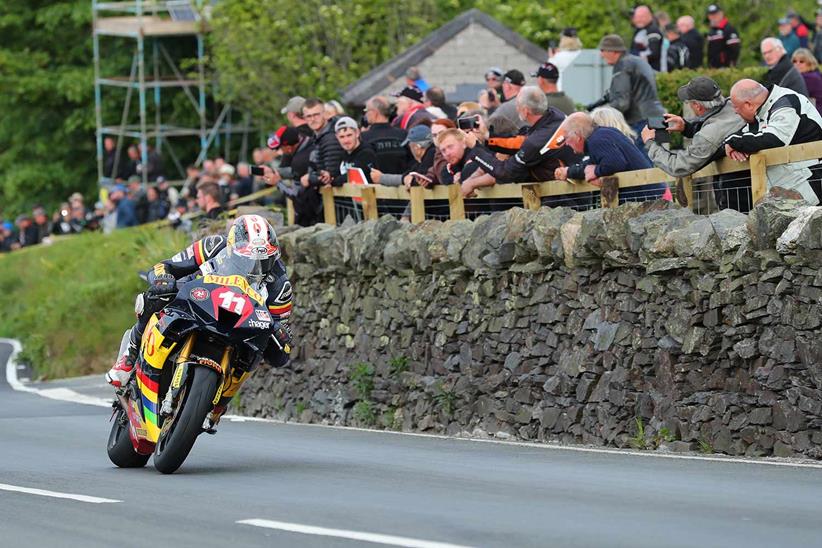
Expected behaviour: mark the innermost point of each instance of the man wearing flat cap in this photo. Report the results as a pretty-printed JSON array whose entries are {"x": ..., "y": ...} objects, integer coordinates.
[{"x": 633, "y": 85}]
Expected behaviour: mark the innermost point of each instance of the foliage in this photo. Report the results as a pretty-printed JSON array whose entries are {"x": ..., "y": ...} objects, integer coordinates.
[
  {"x": 70, "y": 302},
  {"x": 397, "y": 365},
  {"x": 638, "y": 439},
  {"x": 299, "y": 408},
  {"x": 364, "y": 413},
  {"x": 668, "y": 83},
  {"x": 446, "y": 399},
  {"x": 362, "y": 379},
  {"x": 706, "y": 447}
]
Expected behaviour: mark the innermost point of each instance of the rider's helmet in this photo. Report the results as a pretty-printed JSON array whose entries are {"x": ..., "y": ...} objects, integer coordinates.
[{"x": 252, "y": 241}]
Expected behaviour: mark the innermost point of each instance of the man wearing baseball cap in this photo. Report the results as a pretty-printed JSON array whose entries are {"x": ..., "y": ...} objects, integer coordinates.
[
  {"x": 410, "y": 110},
  {"x": 357, "y": 155},
  {"x": 723, "y": 40},
  {"x": 714, "y": 120},
  {"x": 547, "y": 75},
  {"x": 633, "y": 85},
  {"x": 505, "y": 120},
  {"x": 420, "y": 142},
  {"x": 293, "y": 111}
]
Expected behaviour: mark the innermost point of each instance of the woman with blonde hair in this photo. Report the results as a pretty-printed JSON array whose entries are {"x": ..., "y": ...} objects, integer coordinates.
[
  {"x": 610, "y": 117},
  {"x": 808, "y": 67}
]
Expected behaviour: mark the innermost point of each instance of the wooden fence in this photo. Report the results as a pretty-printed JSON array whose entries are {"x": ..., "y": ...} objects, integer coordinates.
[{"x": 532, "y": 193}]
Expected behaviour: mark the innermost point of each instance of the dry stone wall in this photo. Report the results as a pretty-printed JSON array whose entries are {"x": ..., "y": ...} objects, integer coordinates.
[{"x": 641, "y": 326}]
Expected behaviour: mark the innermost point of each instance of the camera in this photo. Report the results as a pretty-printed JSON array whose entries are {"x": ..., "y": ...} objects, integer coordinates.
[
  {"x": 258, "y": 171},
  {"x": 467, "y": 123}
]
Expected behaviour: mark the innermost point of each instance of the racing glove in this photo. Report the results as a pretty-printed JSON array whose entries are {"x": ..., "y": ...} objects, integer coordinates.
[{"x": 281, "y": 337}]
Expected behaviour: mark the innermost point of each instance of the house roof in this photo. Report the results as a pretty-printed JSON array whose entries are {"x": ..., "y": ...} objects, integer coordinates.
[{"x": 387, "y": 73}]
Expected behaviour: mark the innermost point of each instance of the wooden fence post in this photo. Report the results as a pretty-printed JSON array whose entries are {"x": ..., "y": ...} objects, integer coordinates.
[
  {"x": 290, "y": 214},
  {"x": 329, "y": 213},
  {"x": 369, "y": 202},
  {"x": 530, "y": 197},
  {"x": 417, "y": 204},
  {"x": 609, "y": 195},
  {"x": 687, "y": 183},
  {"x": 759, "y": 178},
  {"x": 456, "y": 203}
]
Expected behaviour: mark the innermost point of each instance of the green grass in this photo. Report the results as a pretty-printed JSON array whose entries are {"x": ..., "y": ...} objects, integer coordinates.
[{"x": 70, "y": 302}]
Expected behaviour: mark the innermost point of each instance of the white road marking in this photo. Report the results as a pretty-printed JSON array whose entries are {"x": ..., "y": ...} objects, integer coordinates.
[
  {"x": 353, "y": 535},
  {"x": 55, "y": 494},
  {"x": 66, "y": 394}
]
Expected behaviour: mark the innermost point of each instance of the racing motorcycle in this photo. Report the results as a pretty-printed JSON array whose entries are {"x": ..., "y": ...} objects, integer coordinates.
[{"x": 198, "y": 350}]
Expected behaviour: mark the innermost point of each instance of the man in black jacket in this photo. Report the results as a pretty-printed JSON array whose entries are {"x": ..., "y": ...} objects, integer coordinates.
[
  {"x": 781, "y": 71},
  {"x": 647, "y": 41},
  {"x": 358, "y": 156},
  {"x": 324, "y": 165},
  {"x": 692, "y": 39},
  {"x": 385, "y": 139},
  {"x": 529, "y": 163},
  {"x": 723, "y": 40}
]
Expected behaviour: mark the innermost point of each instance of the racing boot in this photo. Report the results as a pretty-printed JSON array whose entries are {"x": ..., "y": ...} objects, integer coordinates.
[
  {"x": 118, "y": 375},
  {"x": 213, "y": 419}
]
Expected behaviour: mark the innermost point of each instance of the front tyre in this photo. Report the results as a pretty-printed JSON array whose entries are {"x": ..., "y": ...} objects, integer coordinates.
[
  {"x": 194, "y": 403},
  {"x": 120, "y": 449}
]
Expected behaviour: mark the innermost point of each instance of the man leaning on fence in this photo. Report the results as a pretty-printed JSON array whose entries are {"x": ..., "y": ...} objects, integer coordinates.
[{"x": 777, "y": 117}]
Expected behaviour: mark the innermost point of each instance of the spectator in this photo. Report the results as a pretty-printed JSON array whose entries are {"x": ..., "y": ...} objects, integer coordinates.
[
  {"x": 209, "y": 168},
  {"x": 357, "y": 155},
  {"x": 633, "y": 85},
  {"x": 781, "y": 71},
  {"x": 410, "y": 110},
  {"x": 487, "y": 99},
  {"x": 493, "y": 80},
  {"x": 133, "y": 166},
  {"x": 78, "y": 220},
  {"x": 167, "y": 192},
  {"x": 324, "y": 162},
  {"x": 723, "y": 41},
  {"x": 60, "y": 220},
  {"x": 817, "y": 35},
  {"x": 676, "y": 54},
  {"x": 226, "y": 182},
  {"x": 110, "y": 159},
  {"x": 692, "y": 39},
  {"x": 789, "y": 39},
  {"x": 41, "y": 223},
  {"x": 475, "y": 122},
  {"x": 286, "y": 140},
  {"x": 385, "y": 139},
  {"x": 435, "y": 98},
  {"x": 413, "y": 78},
  {"x": 420, "y": 144},
  {"x": 607, "y": 151},
  {"x": 126, "y": 212},
  {"x": 505, "y": 121},
  {"x": 455, "y": 146},
  {"x": 26, "y": 232},
  {"x": 532, "y": 162},
  {"x": 6, "y": 237},
  {"x": 807, "y": 65},
  {"x": 190, "y": 184},
  {"x": 566, "y": 52},
  {"x": 208, "y": 199},
  {"x": 606, "y": 116},
  {"x": 547, "y": 75},
  {"x": 293, "y": 110},
  {"x": 157, "y": 208},
  {"x": 647, "y": 41},
  {"x": 776, "y": 117},
  {"x": 800, "y": 29},
  {"x": 245, "y": 181},
  {"x": 437, "y": 127},
  {"x": 138, "y": 195},
  {"x": 333, "y": 110},
  {"x": 467, "y": 106}
]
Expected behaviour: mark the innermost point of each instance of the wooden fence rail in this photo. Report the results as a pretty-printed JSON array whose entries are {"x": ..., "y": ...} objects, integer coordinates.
[{"x": 532, "y": 193}]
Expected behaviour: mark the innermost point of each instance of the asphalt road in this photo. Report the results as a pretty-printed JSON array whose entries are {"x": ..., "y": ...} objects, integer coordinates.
[{"x": 416, "y": 488}]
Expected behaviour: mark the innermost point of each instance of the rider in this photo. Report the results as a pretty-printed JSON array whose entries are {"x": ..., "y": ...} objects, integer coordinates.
[{"x": 250, "y": 236}]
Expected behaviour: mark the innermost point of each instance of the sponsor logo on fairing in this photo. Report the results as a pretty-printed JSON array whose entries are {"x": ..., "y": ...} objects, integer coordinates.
[
  {"x": 259, "y": 325},
  {"x": 263, "y": 315}
]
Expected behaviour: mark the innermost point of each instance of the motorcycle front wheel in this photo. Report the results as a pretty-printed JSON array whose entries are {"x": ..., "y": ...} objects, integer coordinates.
[
  {"x": 178, "y": 437},
  {"x": 120, "y": 449}
]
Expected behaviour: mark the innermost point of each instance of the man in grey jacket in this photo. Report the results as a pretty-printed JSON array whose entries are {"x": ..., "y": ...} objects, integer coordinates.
[
  {"x": 714, "y": 121},
  {"x": 633, "y": 85}
]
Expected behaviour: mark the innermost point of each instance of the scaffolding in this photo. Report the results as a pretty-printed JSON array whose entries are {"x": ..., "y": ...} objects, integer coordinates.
[{"x": 153, "y": 69}]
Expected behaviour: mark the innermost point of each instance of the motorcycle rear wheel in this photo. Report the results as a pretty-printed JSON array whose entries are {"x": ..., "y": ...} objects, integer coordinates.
[
  {"x": 195, "y": 403},
  {"x": 120, "y": 449}
]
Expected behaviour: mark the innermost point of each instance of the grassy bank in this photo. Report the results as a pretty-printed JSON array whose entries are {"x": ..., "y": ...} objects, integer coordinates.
[{"x": 69, "y": 302}]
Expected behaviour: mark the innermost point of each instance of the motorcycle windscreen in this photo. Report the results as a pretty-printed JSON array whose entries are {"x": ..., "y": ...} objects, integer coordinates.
[{"x": 253, "y": 265}]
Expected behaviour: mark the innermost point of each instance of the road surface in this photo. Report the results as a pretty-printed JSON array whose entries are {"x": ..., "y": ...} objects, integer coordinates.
[{"x": 268, "y": 484}]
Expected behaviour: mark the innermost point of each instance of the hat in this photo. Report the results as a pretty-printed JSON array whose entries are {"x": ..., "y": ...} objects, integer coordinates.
[
  {"x": 412, "y": 92},
  {"x": 515, "y": 77},
  {"x": 295, "y": 104},
  {"x": 549, "y": 71},
  {"x": 8, "y": 225},
  {"x": 570, "y": 32},
  {"x": 496, "y": 71},
  {"x": 418, "y": 134},
  {"x": 39, "y": 210},
  {"x": 783, "y": 21},
  {"x": 791, "y": 13},
  {"x": 346, "y": 122},
  {"x": 611, "y": 42},
  {"x": 713, "y": 8},
  {"x": 134, "y": 179},
  {"x": 671, "y": 27},
  {"x": 700, "y": 88},
  {"x": 285, "y": 135}
]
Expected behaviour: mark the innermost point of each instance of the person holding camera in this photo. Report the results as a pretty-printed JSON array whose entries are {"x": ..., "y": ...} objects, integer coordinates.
[
  {"x": 529, "y": 163},
  {"x": 420, "y": 143},
  {"x": 505, "y": 120},
  {"x": 714, "y": 120}
]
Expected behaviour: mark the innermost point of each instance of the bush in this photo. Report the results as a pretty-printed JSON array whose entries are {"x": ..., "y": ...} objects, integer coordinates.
[{"x": 668, "y": 83}]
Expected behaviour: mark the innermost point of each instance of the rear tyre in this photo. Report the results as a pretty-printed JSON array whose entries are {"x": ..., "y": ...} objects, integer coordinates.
[
  {"x": 195, "y": 403},
  {"x": 120, "y": 449}
]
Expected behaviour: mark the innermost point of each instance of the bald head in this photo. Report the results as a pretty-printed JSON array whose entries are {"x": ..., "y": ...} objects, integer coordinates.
[
  {"x": 577, "y": 128},
  {"x": 642, "y": 16},
  {"x": 685, "y": 23},
  {"x": 746, "y": 97}
]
